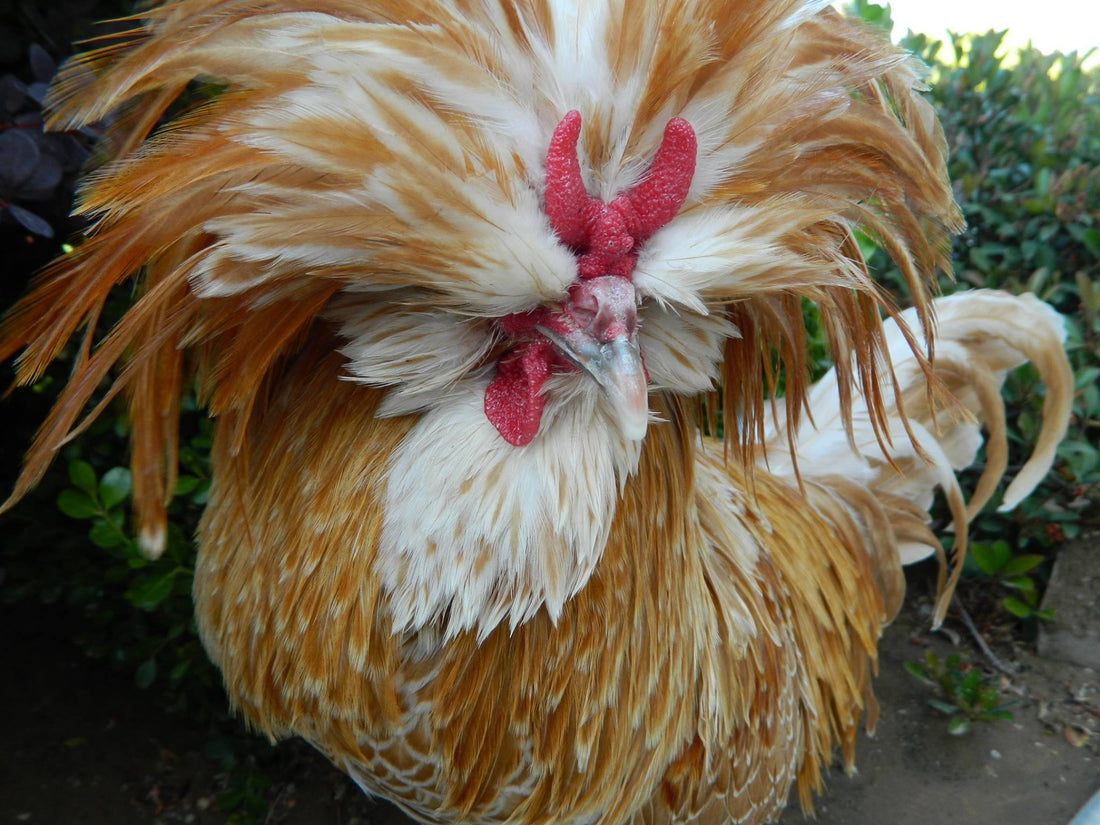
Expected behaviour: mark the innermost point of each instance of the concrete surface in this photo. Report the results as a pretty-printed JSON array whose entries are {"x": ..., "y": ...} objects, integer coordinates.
[{"x": 1073, "y": 635}]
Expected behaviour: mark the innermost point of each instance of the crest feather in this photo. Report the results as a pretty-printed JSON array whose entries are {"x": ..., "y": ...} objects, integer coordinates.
[{"x": 368, "y": 146}]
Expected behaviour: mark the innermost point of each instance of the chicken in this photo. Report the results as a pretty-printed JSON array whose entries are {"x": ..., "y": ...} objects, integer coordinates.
[{"x": 468, "y": 289}]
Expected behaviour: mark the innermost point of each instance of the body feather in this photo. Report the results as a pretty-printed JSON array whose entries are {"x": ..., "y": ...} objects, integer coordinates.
[{"x": 585, "y": 627}]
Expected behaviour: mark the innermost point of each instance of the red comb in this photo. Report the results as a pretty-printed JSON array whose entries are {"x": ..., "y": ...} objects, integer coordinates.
[
  {"x": 568, "y": 205},
  {"x": 605, "y": 234}
]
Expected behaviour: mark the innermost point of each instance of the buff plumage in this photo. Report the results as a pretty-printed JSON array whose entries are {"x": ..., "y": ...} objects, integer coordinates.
[{"x": 584, "y": 625}]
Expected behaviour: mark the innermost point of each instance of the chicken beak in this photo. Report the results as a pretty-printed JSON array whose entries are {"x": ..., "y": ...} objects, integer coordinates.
[
  {"x": 617, "y": 368},
  {"x": 606, "y": 348},
  {"x": 619, "y": 371}
]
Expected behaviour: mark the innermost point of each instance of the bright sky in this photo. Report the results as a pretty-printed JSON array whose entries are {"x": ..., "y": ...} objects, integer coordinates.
[{"x": 1051, "y": 25}]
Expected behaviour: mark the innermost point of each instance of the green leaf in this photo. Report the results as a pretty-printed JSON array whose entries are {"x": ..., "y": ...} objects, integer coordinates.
[
  {"x": 1042, "y": 181},
  {"x": 1016, "y": 607},
  {"x": 148, "y": 594},
  {"x": 105, "y": 535},
  {"x": 1090, "y": 295},
  {"x": 202, "y": 492},
  {"x": 918, "y": 671},
  {"x": 114, "y": 487},
  {"x": 1021, "y": 564},
  {"x": 991, "y": 558},
  {"x": 958, "y": 726},
  {"x": 971, "y": 686},
  {"x": 179, "y": 670},
  {"x": 1091, "y": 239},
  {"x": 979, "y": 258},
  {"x": 867, "y": 246},
  {"x": 221, "y": 749},
  {"x": 185, "y": 484},
  {"x": 229, "y": 800},
  {"x": 1085, "y": 378},
  {"x": 990, "y": 698},
  {"x": 76, "y": 504},
  {"x": 146, "y": 673},
  {"x": 82, "y": 476},
  {"x": 1083, "y": 458},
  {"x": 1022, "y": 583}
]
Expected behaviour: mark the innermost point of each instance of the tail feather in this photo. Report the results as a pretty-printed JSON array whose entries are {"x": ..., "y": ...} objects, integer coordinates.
[{"x": 935, "y": 430}]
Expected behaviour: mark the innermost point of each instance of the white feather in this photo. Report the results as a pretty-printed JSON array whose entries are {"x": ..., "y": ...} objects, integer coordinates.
[{"x": 477, "y": 531}]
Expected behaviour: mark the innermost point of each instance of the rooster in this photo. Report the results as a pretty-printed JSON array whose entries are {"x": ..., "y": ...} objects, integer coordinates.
[{"x": 469, "y": 289}]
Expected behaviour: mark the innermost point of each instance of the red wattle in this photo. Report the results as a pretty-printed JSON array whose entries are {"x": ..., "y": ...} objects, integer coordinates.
[{"x": 513, "y": 399}]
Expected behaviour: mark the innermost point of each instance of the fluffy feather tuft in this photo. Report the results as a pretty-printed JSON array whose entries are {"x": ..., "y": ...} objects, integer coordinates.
[{"x": 359, "y": 147}]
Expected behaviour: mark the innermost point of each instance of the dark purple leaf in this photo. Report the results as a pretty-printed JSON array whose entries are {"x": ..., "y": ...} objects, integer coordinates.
[
  {"x": 42, "y": 64},
  {"x": 69, "y": 151},
  {"x": 11, "y": 94},
  {"x": 41, "y": 184},
  {"x": 19, "y": 156},
  {"x": 29, "y": 120},
  {"x": 30, "y": 221},
  {"x": 37, "y": 92}
]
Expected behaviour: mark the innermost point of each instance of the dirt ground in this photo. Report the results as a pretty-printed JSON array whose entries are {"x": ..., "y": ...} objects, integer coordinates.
[
  {"x": 1038, "y": 769},
  {"x": 82, "y": 745}
]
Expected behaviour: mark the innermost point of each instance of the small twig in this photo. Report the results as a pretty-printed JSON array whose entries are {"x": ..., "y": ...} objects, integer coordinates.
[
  {"x": 952, "y": 635},
  {"x": 283, "y": 792},
  {"x": 982, "y": 644}
]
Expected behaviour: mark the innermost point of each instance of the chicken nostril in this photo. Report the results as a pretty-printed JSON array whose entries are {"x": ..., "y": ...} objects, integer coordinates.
[
  {"x": 605, "y": 307},
  {"x": 584, "y": 316},
  {"x": 620, "y": 244},
  {"x": 614, "y": 330}
]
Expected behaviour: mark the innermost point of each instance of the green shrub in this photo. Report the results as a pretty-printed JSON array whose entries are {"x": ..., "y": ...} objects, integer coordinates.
[
  {"x": 1024, "y": 140},
  {"x": 1025, "y": 161},
  {"x": 965, "y": 696},
  {"x": 134, "y": 611}
]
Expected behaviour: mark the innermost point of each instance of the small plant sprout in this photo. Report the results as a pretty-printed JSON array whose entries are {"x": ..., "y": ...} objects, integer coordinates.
[{"x": 965, "y": 696}]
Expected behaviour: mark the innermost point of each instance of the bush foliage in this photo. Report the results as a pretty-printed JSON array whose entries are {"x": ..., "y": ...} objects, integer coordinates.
[
  {"x": 1025, "y": 143},
  {"x": 1025, "y": 162},
  {"x": 1024, "y": 136}
]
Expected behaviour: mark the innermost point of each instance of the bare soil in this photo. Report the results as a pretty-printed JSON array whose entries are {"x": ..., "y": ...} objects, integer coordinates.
[
  {"x": 82, "y": 744},
  {"x": 1037, "y": 769}
]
